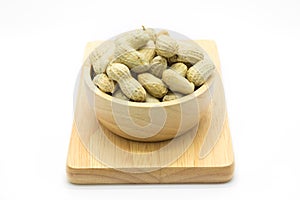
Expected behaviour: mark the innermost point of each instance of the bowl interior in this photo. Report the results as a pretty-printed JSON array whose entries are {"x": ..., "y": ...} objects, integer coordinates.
[{"x": 88, "y": 74}]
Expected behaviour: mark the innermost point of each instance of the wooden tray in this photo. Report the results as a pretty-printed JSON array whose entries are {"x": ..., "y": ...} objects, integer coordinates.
[{"x": 85, "y": 167}]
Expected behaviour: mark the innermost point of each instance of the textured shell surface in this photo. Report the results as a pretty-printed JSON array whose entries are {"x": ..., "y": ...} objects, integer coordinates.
[
  {"x": 158, "y": 65},
  {"x": 200, "y": 72},
  {"x": 135, "y": 39},
  {"x": 180, "y": 68},
  {"x": 166, "y": 46},
  {"x": 153, "y": 85},
  {"x": 189, "y": 52},
  {"x": 104, "y": 83},
  {"x": 177, "y": 83}
]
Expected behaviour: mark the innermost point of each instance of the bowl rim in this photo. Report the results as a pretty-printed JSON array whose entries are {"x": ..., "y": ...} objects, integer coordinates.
[{"x": 88, "y": 81}]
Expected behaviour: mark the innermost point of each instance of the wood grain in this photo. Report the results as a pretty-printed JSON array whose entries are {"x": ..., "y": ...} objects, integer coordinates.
[{"x": 127, "y": 161}]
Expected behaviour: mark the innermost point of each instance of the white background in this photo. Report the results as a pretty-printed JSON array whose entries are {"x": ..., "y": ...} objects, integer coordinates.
[{"x": 41, "y": 49}]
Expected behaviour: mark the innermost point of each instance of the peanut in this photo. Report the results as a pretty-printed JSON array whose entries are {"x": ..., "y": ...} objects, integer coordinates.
[
  {"x": 135, "y": 39},
  {"x": 141, "y": 68},
  {"x": 151, "y": 99},
  {"x": 126, "y": 45},
  {"x": 104, "y": 83},
  {"x": 166, "y": 46},
  {"x": 133, "y": 59},
  {"x": 188, "y": 52},
  {"x": 180, "y": 68},
  {"x": 200, "y": 72},
  {"x": 153, "y": 85},
  {"x": 148, "y": 51},
  {"x": 146, "y": 54},
  {"x": 100, "y": 65},
  {"x": 151, "y": 33},
  {"x": 177, "y": 83},
  {"x": 129, "y": 86},
  {"x": 102, "y": 56},
  {"x": 158, "y": 65},
  {"x": 100, "y": 50},
  {"x": 120, "y": 95},
  {"x": 171, "y": 96}
]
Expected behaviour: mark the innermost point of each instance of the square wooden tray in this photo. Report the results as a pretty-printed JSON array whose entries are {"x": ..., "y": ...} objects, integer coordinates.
[{"x": 84, "y": 167}]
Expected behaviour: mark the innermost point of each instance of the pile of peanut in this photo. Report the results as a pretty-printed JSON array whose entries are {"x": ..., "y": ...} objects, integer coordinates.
[{"x": 145, "y": 66}]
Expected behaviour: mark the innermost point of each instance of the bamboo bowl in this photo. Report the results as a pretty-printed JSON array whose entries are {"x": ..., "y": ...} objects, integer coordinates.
[{"x": 148, "y": 122}]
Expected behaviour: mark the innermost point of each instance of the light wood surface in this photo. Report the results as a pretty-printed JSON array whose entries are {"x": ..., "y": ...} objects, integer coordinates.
[{"x": 203, "y": 155}]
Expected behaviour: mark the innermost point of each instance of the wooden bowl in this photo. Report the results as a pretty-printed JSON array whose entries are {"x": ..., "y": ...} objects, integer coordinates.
[{"x": 148, "y": 122}]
